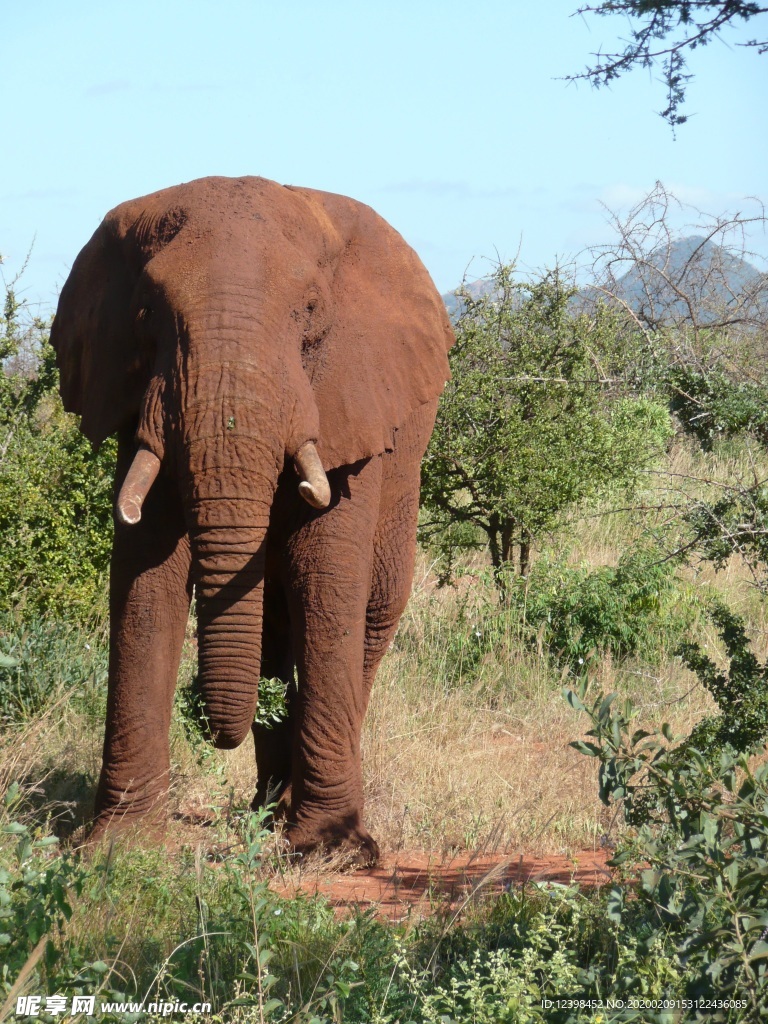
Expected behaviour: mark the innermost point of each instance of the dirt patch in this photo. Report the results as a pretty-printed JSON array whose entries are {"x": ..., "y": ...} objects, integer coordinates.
[{"x": 415, "y": 882}]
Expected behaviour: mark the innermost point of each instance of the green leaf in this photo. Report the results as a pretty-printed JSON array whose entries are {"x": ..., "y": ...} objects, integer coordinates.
[
  {"x": 605, "y": 706},
  {"x": 42, "y": 844},
  {"x": 615, "y": 905},
  {"x": 732, "y": 873},
  {"x": 573, "y": 699},
  {"x": 589, "y": 749},
  {"x": 12, "y": 794},
  {"x": 759, "y": 951}
]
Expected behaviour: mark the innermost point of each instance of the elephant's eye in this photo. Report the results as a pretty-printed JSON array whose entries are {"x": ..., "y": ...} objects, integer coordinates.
[{"x": 144, "y": 313}]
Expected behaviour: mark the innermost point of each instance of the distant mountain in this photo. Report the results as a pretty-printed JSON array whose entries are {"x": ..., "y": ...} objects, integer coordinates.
[
  {"x": 483, "y": 286},
  {"x": 690, "y": 270},
  {"x": 694, "y": 268}
]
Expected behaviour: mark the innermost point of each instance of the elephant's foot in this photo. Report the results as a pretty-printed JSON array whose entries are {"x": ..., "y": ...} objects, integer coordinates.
[
  {"x": 353, "y": 846},
  {"x": 137, "y": 809},
  {"x": 137, "y": 829}
]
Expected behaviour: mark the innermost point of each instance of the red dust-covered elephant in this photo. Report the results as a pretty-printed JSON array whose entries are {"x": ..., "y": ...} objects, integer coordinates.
[{"x": 270, "y": 358}]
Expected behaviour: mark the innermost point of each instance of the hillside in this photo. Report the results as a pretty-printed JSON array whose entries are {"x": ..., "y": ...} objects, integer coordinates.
[{"x": 659, "y": 286}]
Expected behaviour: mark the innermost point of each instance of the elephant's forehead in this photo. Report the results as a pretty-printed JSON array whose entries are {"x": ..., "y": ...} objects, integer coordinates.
[
  {"x": 213, "y": 233},
  {"x": 225, "y": 211}
]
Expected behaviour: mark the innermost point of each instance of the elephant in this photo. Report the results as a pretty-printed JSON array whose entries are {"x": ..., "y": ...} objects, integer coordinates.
[{"x": 270, "y": 358}]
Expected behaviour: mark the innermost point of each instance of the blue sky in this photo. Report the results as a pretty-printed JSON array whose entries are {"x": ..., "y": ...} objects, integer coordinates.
[{"x": 447, "y": 118}]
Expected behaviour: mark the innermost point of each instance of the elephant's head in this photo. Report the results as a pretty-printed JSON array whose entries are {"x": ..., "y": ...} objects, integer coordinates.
[{"x": 235, "y": 323}]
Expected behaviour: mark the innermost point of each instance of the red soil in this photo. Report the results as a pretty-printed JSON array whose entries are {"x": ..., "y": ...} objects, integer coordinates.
[{"x": 412, "y": 881}]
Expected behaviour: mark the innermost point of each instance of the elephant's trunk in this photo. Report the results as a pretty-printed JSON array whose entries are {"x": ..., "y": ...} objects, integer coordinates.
[{"x": 228, "y": 568}]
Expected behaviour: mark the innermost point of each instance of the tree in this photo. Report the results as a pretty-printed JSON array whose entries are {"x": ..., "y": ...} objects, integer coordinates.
[
  {"x": 689, "y": 23},
  {"x": 535, "y": 420}
]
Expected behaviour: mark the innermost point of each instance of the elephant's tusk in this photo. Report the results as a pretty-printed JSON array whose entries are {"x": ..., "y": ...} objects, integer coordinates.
[
  {"x": 141, "y": 476},
  {"x": 314, "y": 487}
]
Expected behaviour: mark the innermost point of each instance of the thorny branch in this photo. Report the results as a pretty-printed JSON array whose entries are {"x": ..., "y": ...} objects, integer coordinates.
[{"x": 697, "y": 21}]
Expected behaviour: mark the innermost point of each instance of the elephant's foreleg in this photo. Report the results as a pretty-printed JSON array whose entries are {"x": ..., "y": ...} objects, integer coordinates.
[
  {"x": 329, "y": 575},
  {"x": 149, "y": 605}
]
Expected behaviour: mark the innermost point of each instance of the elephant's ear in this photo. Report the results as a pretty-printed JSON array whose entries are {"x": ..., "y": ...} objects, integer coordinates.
[
  {"x": 91, "y": 333},
  {"x": 382, "y": 352}
]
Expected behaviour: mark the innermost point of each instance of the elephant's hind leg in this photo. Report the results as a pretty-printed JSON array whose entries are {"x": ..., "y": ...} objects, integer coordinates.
[
  {"x": 394, "y": 556},
  {"x": 273, "y": 741},
  {"x": 395, "y": 539},
  {"x": 149, "y": 606}
]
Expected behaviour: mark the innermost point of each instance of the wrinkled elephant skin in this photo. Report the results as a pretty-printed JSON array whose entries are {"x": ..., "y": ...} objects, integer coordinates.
[{"x": 270, "y": 358}]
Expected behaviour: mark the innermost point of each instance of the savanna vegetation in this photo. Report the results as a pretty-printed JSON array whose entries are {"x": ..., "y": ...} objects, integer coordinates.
[{"x": 583, "y": 665}]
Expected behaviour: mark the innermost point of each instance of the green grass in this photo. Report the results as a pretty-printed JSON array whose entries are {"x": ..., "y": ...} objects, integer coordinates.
[{"x": 138, "y": 924}]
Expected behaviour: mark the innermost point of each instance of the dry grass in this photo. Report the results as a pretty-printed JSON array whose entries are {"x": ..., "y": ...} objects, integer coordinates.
[{"x": 487, "y": 764}]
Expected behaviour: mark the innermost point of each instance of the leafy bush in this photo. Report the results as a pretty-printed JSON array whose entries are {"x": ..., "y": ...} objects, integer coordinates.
[
  {"x": 700, "y": 817},
  {"x": 712, "y": 404},
  {"x": 37, "y": 884},
  {"x": 232, "y": 928},
  {"x": 529, "y": 955},
  {"x": 741, "y": 693},
  {"x": 736, "y": 523},
  {"x": 576, "y": 615},
  {"x": 637, "y": 608},
  {"x": 55, "y": 493},
  {"x": 217, "y": 930},
  {"x": 42, "y": 658}
]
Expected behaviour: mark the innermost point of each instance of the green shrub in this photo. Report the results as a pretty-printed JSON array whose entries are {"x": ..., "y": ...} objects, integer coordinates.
[
  {"x": 523, "y": 955},
  {"x": 638, "y": 608},
  {"x": 55, "y": 516},
  {"x": 37, "y": 884},
  {"x": 575, "y": 615},
  {"x": 138, "y": 925},
  {"x": 736, "y": 523},
  {"x": 43, "y": 658},
  {"x": 741, "y": 692},
  {"x": 712, "y": 405},
  {"x": 55, "y": 493},
  {"x": 700, "y": 846}
]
